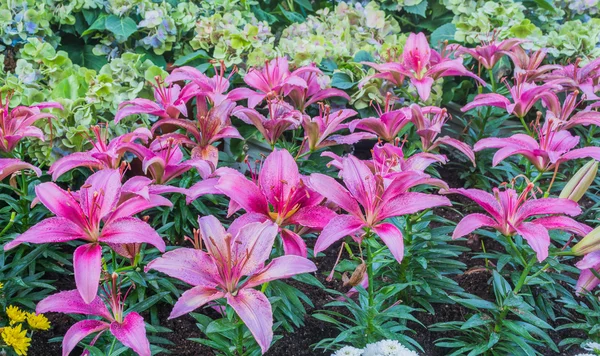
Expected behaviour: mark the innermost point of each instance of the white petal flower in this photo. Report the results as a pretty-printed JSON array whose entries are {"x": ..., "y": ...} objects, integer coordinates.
[
  {"x": 388, "y": 348},
  {"x": 348, "y": 351},
  {"x": 592, "y": 346}
]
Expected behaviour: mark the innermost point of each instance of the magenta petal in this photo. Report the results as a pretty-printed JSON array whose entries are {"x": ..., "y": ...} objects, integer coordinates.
[
  {"x": 537, "y": 237},
  {"x": 586, "y": 281},
  {"x": 393, "y": 239},
  {"x": 244, "y": 192},
  {"x": 547, "y": 206},
  {"x": 60, "y": 202},
  {"x": 316, "y": 217},
  {"x": 132, "y": 333},
  {"x": 70, "y": 302},
  {"x": 252, "y": 246},
  {"x": 131, "y": 230},
  {"x": 423, "y": 86},
  {"x": 359, "y": 180},
  {"x": 9, "y": 165},
  {"x": 484, "y": 199},
  {"x": 136, "y": 205},
  {"x": 193, "y": 299},
  {"x": 254, "y": 309},
  {"x": 87, "y": 267},
  {"x": 471, "y": 223},
  {"x": 79, "y": 331},
  {"x": 334, "y": 192},
  {"x": 459, "y": 145},
  {"x": 77, "y": 159},
  {"x": 492, "y": 99},
  {"x": 49, "y": 231},
  {"x": 563, "y": 223},
  {"x": 586, "y": 152},
  {"x": 410, "y": 203},
  {"x": 280, "y": 268},
  {"x": 278, "y": 177},
  {"x": 206, "y": 186},
  {"x": 244, "y": 220},
  {"x": 100, "y": 193},
  {"x": 192, "y": 266},
  {"x": 293, "y": 244},
  {"x": 339, "y": 227}
]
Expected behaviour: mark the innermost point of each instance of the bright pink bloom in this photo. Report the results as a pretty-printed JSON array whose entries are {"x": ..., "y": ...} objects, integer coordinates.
[
  {"x": 524, "y": 96},
  {"x": 528, "y": 65},
  {"x": 314, "y": 91},
  {"x": 563, "y": 117},
  {"x": 489, "y": 53},
  {"x": 422, "y": 65},
  {"x": 95, "y": 215},
  {"x": 129, "y": 329},
  {"x": 232, "y": 255},
  {"x": 319, "y": 131},
  {"x": 388, "y": 125},
  {"x": 585, "y": 78},
  {"x": 587, "y": 279},
  {"x": 282, "y": 117},
  {"x": 103, "y": 155},
  {"x": 278, "y": 194},
  {"x": 551, "y": 148},
  {"x": 9, "y": 166},
  {"x": 169, "y": 102},
  {"x": 210, "y": 126},
  {"x": 429, "y": 122},
  {"x": 163, "y": 160},
  {"x": 18, "y": 122},
  {"x": 509, "y": 212},
  {"x": 275, "y": 79},
  {"x": 214, "y": 88},
  {"x": 369, "y": 200}
]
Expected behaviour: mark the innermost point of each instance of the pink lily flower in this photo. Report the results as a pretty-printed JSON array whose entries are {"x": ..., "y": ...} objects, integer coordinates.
[
  {"x": 587, "y": 280},
  {"x": 214, "y": 88},
  {"x": 129, "y": 329},
  {"x": 275, "y": 79},
  {"x": 282, "y": 117},
  {"x": 319, "y": 130},
  {"x": 169, "y": 102},
  {"x": 489, "y": 53},
  {"x": 550, "y": 149},
  {"x": 277, "y": 194},
  {"x": 572, "y": 76},
  {"x": 18, "y": 122},
  {"x": 218, "y": 273},
  {"x": 210, "y": 126},
  {"x": 423, "y": 65},
  {"x": 429, "y": 122},
  {"x": 9, "y": 166},
  {"x": 528, "y": 66},
  {"x": 163, "y": 160},
  {"x": 562, "y": 116},
  {"x": 389, "y": 123},
  {"x": 508, "y": 212},
  {"x": 315, "y": 90},
  {"x": 369, "y": 201},
  {"x": 80, "y": 216},
  {"x": 389, "y": 162},
  {"x": 104, "y": 154},
  {"x": 524, "y": 96}
]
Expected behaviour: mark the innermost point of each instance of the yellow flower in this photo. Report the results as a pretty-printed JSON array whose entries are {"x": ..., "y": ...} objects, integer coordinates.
[
  {"x": 16, "y": 338},
  {"x": 38, "y": 321},
  {"x": 15, "y": 315},
  {"x": 1, "y": 285}
]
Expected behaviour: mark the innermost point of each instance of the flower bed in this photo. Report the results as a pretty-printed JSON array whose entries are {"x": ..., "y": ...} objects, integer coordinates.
[{"x": 387, "y": 178}]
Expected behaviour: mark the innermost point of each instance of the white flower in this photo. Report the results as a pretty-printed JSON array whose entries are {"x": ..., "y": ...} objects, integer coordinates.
[
  {"x": 388, "y": 348},
  {"x": 348, "y": 351},
  {"x": 585, "y": 355},
  {"x": 592, "y": 346}
]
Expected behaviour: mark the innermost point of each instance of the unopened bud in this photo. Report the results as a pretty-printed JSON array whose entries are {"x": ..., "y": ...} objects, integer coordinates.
[
  {"x": 581, "y": 181},
  {"x": 590, "y": 243}
]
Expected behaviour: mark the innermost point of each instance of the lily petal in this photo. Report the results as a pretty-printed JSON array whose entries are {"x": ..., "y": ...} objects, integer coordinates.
[{"x": 254, "y": 309}]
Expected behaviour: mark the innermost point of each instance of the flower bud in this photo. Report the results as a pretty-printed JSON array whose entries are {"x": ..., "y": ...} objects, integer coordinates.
[
  {"x": 581, "y": 181},
  {"x": 590, "y": 243}
]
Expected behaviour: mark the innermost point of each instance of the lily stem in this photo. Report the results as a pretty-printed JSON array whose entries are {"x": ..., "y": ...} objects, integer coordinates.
[
  {"x": 516, "y": 291},
  {"x": 10, "y": 223},
  {"x": 371, "y": 288},
  {"x": 112, "y": 346}
]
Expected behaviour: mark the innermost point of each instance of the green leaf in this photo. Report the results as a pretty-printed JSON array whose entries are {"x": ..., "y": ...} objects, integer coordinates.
[
  {"x": 84, "y": 56},
  {"x": 122, "y": 28},
  {"x": 199, "y": 54},
  {"x": 418, "y": 9},
  {"x": 341, "y": 81},
  {"x": 546, "y": 5},
  {"x": 291, "y": 16},
  {"x": 443, "y": 33},
  {"x": 262, "y": 15},
  {"x": 363, "y": 56},
  {"x": 98, "y": 25},
  {"x": 305, "y": 4}
]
